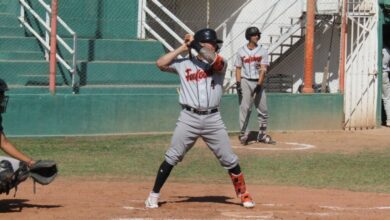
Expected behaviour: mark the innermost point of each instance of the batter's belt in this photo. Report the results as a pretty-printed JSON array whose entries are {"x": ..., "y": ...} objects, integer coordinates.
[
  {"x": 200, "y": 112},
  {"x": 252, "y": 80}
]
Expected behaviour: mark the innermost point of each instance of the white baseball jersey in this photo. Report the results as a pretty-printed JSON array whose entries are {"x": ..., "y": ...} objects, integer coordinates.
[
  {"x": 386, "y": 59},
  {"x": 250, "y": 61},
  {"x": 199, "y": 88}
]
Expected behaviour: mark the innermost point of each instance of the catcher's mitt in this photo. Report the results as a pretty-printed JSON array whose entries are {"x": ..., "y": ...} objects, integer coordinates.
[{"x": 44, "y": 171}]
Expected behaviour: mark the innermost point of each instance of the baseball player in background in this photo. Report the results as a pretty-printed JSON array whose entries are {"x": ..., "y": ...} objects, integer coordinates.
[
  {"x": 386, "y": 80},
  {"x": 201, "y": 80},
  {"x": 251, "y": 66}
]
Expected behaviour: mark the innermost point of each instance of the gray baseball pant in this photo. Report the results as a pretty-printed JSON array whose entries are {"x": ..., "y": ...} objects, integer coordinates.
[
  {"x": 386, "y": 95},
  {"x": 260, "y": 103},
  {"x": 190, "y": 126}
]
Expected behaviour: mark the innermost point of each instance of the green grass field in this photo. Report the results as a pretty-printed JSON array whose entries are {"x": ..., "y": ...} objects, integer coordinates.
[{"x": 129, "y": 157}]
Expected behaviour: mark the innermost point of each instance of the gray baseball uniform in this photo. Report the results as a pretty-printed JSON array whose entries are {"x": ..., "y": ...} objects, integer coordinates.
[
  {"x": 200, "y": 96},
  {"x": 250, "y": 61},
  {"x": 386, "y": 83}
]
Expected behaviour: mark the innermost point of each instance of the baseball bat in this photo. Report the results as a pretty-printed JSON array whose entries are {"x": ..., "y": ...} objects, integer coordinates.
[{"x": 325, "y": 77}]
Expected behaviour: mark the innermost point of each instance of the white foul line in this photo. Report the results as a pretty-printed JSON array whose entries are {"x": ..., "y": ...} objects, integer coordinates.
[
  {"x": 299, "y": 147},
  {"x": 131, "y": 219},
  {"x": 133, "y": 208},
  {"x": 241, "y": 215},
  {"x": 353, "y": 208}
]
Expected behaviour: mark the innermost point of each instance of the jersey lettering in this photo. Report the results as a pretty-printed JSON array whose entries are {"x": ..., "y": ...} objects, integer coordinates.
[
  {"x": 251, "y": 59},
  {"x": 198, "y": 75},
  {"x": 201, "y": 86}
]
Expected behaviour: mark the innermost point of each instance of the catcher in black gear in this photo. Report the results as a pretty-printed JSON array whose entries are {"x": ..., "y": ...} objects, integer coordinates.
[{"x": 18, "y": 167}]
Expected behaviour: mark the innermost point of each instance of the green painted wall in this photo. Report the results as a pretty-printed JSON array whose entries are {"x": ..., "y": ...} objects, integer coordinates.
[
  {"x": 9, "y": 6},
  {"x": 89, "y": 18},
  {"x": 33, "y": 72},
  {"x": 90, "y": 49},
  {"x": 140, "y": 111},
  {"x": 99, "y": 62},
  {"x": 292, "y": 112},
  {"x": 95, "y": 18}
]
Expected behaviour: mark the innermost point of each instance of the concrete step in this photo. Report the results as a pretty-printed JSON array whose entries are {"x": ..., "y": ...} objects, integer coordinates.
[
  {"x": 21, "y": 55},
  {"x": 15, "y": 31},
  {"x": 96, "y": 18},
  {"x": 99, "y": 89},
  {"x": 116, "y": 50},
  {"x": 19, "y": 44},
  {"x": 89, "y": 49},
  {"x": 9, "y": 6},
  {"x": 21, "y": 72},
  {"x": 91, "y": 73},
  {"x": 124, "y": 73},
  {"x": 8, "y": 20},
  {"x": 35, "y": 90}
]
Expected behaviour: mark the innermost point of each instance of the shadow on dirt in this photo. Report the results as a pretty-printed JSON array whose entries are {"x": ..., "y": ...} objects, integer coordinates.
[
  {"x": 209, "y": 199},
  {"x": 17, "y": 205}
]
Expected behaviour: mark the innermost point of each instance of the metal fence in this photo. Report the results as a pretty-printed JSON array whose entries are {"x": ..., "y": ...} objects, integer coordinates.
[{"x": 119, "y": 41}]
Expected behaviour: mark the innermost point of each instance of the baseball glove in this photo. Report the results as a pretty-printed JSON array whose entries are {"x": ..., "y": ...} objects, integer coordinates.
[
  {"x": 44, "y": 171},
  {"x": 239, "y": 89}
]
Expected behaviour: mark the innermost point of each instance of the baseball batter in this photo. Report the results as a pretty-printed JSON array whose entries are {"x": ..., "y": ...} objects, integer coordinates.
[
  {"x": 201, "y": 80},
  {"x": 251, "y": 65}
]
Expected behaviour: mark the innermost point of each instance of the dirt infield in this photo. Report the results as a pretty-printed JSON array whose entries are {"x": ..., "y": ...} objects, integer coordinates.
[
  {"x": 78, "y": 198},
  {"x": 327, "y": 141}
]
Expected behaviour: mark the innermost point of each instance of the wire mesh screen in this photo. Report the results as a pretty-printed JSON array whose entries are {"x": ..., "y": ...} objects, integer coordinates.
[
  {"x": 282, "y": 24},
  {"x": 119, "y": 41},
  {"x": 108, "y": 51}
]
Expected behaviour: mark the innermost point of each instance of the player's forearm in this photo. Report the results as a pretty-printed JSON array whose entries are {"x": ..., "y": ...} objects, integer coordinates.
[
  {"x": 164, "y": 61},
  {"x": 8, "y": 148},
  {"x": 262, "y": 71},
  {"x": 238, "y": 74},
  {"x": 261, "y": 77}
]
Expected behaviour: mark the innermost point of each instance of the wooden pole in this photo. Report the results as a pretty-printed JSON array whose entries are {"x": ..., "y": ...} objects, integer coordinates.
[
  {"x": 53, "y": 47},
  {"x": 343, "y": 43},
  {"x": 309, "y": 47}
]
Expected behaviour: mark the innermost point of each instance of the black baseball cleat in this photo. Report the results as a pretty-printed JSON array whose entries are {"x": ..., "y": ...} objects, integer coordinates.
[
  {"x": 265, "y": 138},
  {"x": 243, "y": 139}
]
